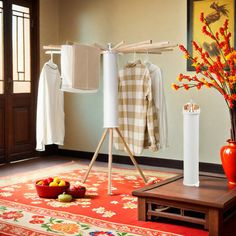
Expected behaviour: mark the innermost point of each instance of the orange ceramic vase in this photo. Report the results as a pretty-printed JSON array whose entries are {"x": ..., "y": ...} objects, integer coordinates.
[{"x": 228, "y": 158}]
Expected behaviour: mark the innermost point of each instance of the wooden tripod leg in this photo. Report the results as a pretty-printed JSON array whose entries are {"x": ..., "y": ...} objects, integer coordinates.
[
  {"x": 110, "y": 160},
  {"x": 95, "y": 155},
  {"x": 131, "y": 155}
]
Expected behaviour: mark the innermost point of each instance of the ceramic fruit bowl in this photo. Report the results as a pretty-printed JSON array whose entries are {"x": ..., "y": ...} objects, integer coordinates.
[
  {"x": 46, "y": 191},
  {"x": 76, "y": 191}
]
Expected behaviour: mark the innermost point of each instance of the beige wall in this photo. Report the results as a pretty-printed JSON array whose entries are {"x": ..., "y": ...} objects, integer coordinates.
[
  {"x": 49, "y": 26},
  {"x": 133, "y": 21}
]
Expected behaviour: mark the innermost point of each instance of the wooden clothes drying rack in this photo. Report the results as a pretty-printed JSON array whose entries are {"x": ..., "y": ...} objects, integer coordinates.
[{"x": 111, "y": 124}]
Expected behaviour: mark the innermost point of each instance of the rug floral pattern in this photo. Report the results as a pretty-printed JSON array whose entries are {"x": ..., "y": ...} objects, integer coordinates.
[{"x": 22, "y": 212}]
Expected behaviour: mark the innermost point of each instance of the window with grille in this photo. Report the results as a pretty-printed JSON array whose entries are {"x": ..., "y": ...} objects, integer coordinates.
[
  {"x": 21, "y": 49},
  {"x": 1, "y": 48}
]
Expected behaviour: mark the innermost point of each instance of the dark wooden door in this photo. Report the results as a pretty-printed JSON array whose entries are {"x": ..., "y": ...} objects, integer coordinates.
[{"x": 18, "y": 78}]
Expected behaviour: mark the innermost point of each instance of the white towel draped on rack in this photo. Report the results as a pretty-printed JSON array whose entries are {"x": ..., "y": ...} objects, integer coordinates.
[{"x": 80, "y": 68}]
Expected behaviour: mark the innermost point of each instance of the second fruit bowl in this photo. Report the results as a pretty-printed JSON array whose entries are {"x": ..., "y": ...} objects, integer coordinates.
[{"x": 77, "y": 192}]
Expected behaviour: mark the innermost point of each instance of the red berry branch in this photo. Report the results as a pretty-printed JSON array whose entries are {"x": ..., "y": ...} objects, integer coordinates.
[{"x": 212, "y": 72}]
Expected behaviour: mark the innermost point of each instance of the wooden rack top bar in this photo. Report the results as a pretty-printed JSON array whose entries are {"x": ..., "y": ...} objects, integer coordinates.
[
  {"x": 52, "y": 47},
  {"x": 140, "y": 47}
]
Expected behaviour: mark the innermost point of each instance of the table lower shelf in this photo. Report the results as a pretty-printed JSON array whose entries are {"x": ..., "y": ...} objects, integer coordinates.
[{"x": 177, "y": 213}]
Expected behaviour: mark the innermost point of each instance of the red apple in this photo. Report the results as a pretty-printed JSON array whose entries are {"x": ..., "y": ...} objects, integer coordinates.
[
  {"x": 45, "y": 182},
  {"x": 73, "y": 188},
  {"x": 49, "y": 180}
]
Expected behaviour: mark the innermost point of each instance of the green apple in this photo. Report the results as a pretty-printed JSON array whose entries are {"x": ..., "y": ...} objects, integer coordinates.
[{"x": 64, "y": 197}]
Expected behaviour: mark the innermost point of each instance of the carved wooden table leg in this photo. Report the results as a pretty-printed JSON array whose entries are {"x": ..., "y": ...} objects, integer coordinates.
[
  {"x": 142, "y": 209},
  {"x": 215, "y": 222}
]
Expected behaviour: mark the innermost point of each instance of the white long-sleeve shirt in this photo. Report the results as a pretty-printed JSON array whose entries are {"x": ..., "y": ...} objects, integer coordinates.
[
  {"x": 160, "y": 102},
  {"x": 50, "y": 127}
]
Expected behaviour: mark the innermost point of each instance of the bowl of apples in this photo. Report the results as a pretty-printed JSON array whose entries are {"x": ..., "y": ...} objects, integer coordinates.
[{"x": 51, "y": 187}]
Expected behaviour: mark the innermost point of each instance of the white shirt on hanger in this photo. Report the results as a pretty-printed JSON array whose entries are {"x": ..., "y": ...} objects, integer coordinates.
[
  {"x": 160, "y": 102},
  {"x": 50, "y": 127}
]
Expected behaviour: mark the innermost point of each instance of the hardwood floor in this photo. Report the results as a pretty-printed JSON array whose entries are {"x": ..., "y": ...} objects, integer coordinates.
[
  {"x": 32, "y": 164},
  {"x": 47, "y": 161}
]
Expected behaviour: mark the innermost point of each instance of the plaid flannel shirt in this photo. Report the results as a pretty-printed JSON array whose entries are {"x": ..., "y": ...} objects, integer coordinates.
[{"x": 137, "y": 113}]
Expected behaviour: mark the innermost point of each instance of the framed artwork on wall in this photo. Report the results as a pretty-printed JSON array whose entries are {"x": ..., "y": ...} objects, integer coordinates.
[{"x": 215, "y": 11}]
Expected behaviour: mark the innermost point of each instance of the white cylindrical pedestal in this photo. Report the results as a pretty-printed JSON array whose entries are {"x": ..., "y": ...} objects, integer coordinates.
[
  {"x": 110, "y": 90},
  {"x": 191, "y": 113}
]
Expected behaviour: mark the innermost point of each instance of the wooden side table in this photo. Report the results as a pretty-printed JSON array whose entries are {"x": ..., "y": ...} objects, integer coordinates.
[{"x": 210, "y": 204}]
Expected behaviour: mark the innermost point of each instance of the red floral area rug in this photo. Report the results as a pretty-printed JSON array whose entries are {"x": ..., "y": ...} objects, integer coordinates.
[{"x": 23, "y": 213}]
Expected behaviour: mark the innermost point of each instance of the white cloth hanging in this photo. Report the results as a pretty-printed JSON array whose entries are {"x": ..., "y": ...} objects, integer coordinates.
[
  {"x": 50, "y": 127},
  {"x": 80, "y": 68},
  {"x": 160, "y": 102}
]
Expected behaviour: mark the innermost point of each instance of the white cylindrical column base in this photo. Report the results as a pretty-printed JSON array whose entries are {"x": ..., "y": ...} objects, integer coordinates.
[
  {"x": 110, "y": 90},
  {"x": 191, "y": 147}
]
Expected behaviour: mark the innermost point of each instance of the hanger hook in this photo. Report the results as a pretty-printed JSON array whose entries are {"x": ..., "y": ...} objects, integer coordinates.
[
  {"x": 51, "y": 53},
  {"x": 134, "y": 59},
  {"x": 147, "y": 55}
]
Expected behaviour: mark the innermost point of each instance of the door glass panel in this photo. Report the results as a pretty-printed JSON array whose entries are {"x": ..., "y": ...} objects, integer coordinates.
[
  {"x": 21, "y": 49},
  {"x": 1, "y": 48}
]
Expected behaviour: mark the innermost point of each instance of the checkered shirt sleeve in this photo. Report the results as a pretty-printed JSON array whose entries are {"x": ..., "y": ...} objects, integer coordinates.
[{"x": 137, "y": 113}]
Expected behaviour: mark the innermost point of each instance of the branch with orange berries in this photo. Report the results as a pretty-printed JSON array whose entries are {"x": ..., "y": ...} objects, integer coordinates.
[{"x": 218, "y": 72}]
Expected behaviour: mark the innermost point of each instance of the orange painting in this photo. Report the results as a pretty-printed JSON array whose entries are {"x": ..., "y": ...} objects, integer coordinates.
[{"x": 215, "y": 12}]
